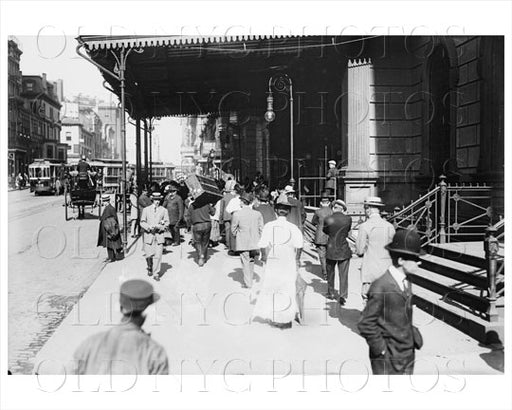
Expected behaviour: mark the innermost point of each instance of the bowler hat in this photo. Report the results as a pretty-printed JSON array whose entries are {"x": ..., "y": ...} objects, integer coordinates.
[
  {"x": 373, "y": 201},
  {"x": 156, "y": 195},
  {"x": 171, "y": 188},
  {"x": 136, "y": 295},
  {"x": 406, "y": 242}
]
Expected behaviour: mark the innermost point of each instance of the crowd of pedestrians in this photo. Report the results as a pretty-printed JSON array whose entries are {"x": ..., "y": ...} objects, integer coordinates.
[{"x": 256, "y": 223}]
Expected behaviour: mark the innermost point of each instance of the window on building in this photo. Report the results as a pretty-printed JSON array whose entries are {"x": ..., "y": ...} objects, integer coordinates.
[
  {"x": 49, "y": 151},
  {"x": 76, "y": 148},
  {"x": 61, "y": 154},
  {"x": 68, "y": 135},
  {"x": 30, "y": 86}
]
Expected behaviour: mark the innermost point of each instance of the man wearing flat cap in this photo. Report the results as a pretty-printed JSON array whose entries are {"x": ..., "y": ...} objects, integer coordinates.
[
  {"x": 386, "y": 322},
  {"x": 153, "y": 222},
  {"x": 109, "y": 235},
  {"x": 125, "y": 348},
  {"x": 373, "y": 236}
]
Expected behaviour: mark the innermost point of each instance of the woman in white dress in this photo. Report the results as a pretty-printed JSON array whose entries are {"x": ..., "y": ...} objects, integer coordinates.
[{"x": 280, "y": 240}]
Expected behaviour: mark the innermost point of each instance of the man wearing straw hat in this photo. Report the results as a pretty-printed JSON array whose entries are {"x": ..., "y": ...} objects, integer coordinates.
[
  {"x": 154, "y": 221},
  {"x": 109, "y": 235},
  {"x": 386, "y": 322},
  {"x": 126, "y": 348},
  {"x": 373, "y": 236}
]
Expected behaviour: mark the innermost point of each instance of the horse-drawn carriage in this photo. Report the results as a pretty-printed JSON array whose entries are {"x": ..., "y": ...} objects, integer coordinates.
[{"x": 82, "y": 189}]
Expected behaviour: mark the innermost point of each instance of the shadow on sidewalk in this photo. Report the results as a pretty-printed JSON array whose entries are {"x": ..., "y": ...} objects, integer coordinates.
[
  {"x": 237, "y": 275},
  {"x": 347, "y": 317},
  {"x": 495, "y": 358},
  {"x": 209, "y": 253},
  {"x": 313, "y": 268},
  {"x": 164, "y": 268}
]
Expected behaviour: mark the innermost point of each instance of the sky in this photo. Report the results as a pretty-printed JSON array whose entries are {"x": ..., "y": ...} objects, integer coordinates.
[{"x": 56, "y": 56}]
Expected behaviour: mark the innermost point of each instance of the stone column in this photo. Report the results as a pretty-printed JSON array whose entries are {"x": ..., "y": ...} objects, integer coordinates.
[{"x": 359, "y": 179}]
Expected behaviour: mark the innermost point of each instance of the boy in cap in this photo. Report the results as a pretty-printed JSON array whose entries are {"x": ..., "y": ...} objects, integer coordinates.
[
  {"x": 386, "y": 322},
  {"x": 126, "y": 348},
  {"x": 109, "y": 235},
  {"x": 154, "y": 221},
  {"x": 373, "y": 236}
]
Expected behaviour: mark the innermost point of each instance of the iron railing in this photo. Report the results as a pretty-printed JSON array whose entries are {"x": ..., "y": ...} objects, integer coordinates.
[
  {"x": 314, "y": 198},
  {"x": 447, "y": 213}
]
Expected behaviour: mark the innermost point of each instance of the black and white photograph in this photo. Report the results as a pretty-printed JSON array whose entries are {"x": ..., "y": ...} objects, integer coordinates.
[{"x": 195, "y": 205}]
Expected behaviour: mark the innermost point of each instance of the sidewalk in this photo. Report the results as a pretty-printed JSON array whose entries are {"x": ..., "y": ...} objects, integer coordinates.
[{"x": 203, "y": 315}]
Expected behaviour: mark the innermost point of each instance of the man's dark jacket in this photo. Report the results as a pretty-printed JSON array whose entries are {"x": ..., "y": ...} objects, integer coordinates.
[
  {"x": 338, "y": 226},
  {"x": 386, "y": 323}
]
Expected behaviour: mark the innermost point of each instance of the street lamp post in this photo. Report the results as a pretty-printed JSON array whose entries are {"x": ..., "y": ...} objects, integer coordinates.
[{"x": 280, "y": 82}]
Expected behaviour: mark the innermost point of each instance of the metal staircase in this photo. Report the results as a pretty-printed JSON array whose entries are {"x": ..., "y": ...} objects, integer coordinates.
[{"x": 462, "y": 277}]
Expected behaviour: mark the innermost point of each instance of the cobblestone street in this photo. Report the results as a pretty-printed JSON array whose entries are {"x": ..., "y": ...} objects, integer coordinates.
[{"x": 51, "y": 263}]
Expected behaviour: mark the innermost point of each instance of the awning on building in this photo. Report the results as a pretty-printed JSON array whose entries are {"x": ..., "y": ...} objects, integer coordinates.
[{"x": 198, "y": 75}]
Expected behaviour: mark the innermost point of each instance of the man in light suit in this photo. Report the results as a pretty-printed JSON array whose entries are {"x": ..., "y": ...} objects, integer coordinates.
[
  {"x": 373, "y": 236},
  {"x": 246, "y": 226},
  {"x": 386, "y": 322},
  {"x": 154, "y": 221}
]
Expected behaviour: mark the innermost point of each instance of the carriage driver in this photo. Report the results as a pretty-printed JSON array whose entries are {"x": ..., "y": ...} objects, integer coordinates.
[{"x": 84, "y": 172}]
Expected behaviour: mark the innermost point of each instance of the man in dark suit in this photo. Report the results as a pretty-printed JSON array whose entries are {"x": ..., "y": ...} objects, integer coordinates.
[
  {"x": 107, "y": 239},
  {"x": 321, "y": 237},
  {"x": 386, "y": 322},
  {"x": 246, "y": 227},
  {"x": 338, "y": 226}
]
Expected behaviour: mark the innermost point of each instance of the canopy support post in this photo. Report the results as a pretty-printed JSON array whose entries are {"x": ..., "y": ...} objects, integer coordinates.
[
  {"x": 138, "y": 167},
  {"x": 145, "y": 152}
]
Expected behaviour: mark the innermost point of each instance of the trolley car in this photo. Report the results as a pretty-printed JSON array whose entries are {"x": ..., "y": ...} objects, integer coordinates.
[{"x": 43, "y": 176}]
